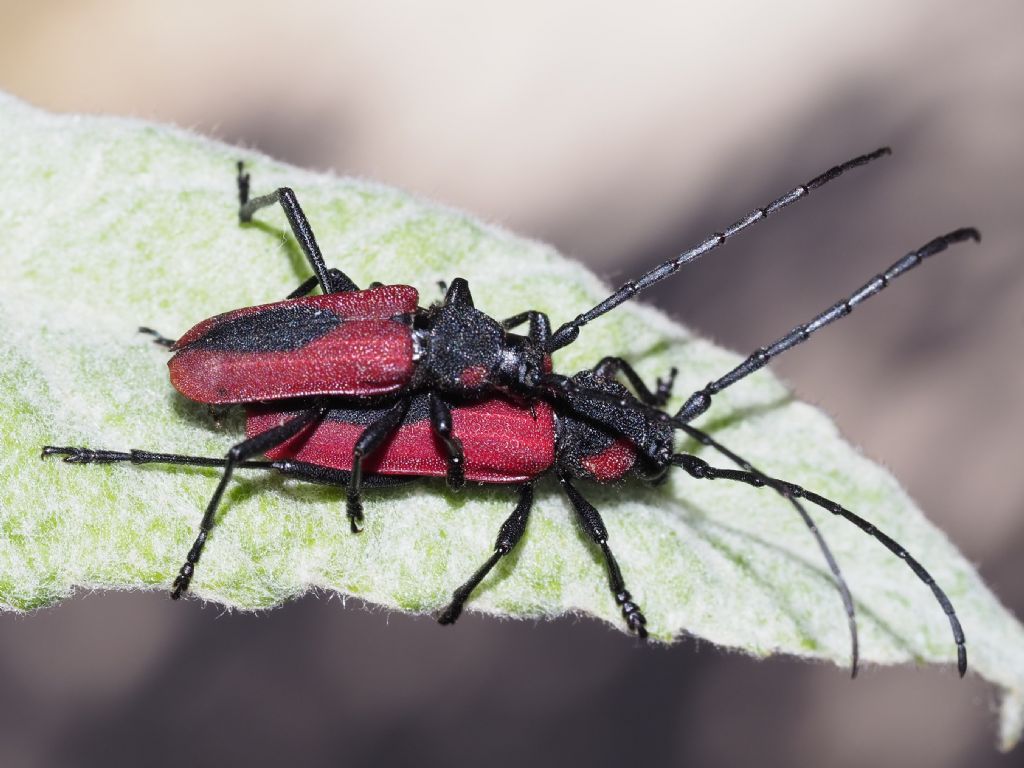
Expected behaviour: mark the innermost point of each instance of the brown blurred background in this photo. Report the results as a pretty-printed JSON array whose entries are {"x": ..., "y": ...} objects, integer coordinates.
[{"x": 621, "y": 136}]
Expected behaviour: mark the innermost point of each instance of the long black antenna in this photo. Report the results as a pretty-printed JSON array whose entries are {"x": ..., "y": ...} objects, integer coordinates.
[
  {"x": 844, "y": 590},
  {"x": 701, "y": 470},
  {"x": 568, "y": 332},
  {"x": 700, "y": 400}
]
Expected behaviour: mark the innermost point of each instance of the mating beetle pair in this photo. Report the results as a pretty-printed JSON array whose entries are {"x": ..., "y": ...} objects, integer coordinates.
[{"x": 366, "y": 388}]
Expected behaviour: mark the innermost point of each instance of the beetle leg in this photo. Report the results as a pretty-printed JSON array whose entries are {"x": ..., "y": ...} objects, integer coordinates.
[
  {"x": 308, "y": 285},
  {"x": 369, "y": 441},
  {"x": 158, "y": 338},
  {"x": 592, "y": 524},
  {"x": 242, "y": 180},
  {"x": 441, "y": 420},
  {"x": 238, "y": 454},
  {"x": 508, "y": 536},
  {"x": 76, "y": 455},
  {"x": 663, "y": 386},
  {"x": 301, "y": 470},
  {"x": 609, "y": 367},
  {"x": 540, "y": 325},
  {"x": 331, "y": 281},
  {"x": 516, "y": 320}
]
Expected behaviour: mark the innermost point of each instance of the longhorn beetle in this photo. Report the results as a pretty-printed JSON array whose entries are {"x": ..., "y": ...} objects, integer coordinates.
[{"x": 340, "y": 388}]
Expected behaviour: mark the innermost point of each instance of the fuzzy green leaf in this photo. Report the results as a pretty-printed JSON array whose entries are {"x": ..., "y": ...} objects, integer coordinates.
[{"x": 110, "y": 224}]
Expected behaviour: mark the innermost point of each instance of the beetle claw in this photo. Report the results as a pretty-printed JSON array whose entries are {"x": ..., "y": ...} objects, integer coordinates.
[
  {"x": 71, "y": 454},
  {"x": 448, "y": 616},
  {"x": 182, "y": 582},
  {"x": 354, "y": 510},
  {"x": 451, "y": 612},
  {"x": 456, "y": 478}
]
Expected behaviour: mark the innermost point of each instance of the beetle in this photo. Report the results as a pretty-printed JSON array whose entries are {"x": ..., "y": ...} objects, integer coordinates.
[
  {"x": 378, "y": 343},
  {"x": 613, "y": 433},
  {"x": 365, "y": 348}
]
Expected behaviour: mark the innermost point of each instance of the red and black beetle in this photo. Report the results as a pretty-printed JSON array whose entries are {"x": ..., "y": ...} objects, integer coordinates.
[{"x": 357, "y": 387}]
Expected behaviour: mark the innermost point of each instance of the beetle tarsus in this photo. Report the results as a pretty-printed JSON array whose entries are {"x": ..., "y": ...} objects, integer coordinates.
[
  {"x": 243, "y": 190},
  {"x": 58, "y": 450},
  {"x": 635, "y": 619},
  {"x": 182, "y": 581},
  {"x": 454, "y": 609},
  {"x": 354, "y": 510},
  {"x": 456, "y": 475},
  {"x": 663, "y": 390},
  {"x": 76, "y": 455},
  {"x": 158, "y": 338}
]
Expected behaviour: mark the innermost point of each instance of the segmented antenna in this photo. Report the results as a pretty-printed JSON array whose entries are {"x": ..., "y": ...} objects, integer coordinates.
[
  {"x": 700, "y": 469},
  {"x": 844, "y": 591},
  {"x": 569, "y": 331},
  {"x": 700, "y": 400}
]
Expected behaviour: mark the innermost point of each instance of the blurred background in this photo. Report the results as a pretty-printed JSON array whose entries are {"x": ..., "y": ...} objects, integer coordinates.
[{"x": 621, "y": 136}]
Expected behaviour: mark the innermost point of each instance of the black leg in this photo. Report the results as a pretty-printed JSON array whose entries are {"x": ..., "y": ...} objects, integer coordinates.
[
  {"x": 591, "y": 522},
  {"x": 578, "y": 399},
  {"x": 569, "y": 331},
  {"x": 158, "y": 338},
  {"x": 508, "y": 536},
  {"x": 609, "y": 367},
  {"x": 301, "y": 470},
  {"x": 238, "y": 454},
  {"x": 331, "y": 281},
  {"x": 700, "y": 401},
  {"x": 700, "y": 469},
  {"x": 844, "y": 590},
  {"x": 516, "y": 320},
  {"x": 441, "y": 419},
  {"x": 307, "y": 286},
  {"x": 74, "y": 455},
  {"x": 372, "y": 438},
  {"x": 540, "y": 325}
]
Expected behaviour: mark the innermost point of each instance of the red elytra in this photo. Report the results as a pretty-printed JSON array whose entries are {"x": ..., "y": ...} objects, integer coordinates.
[
  {"x": 504, "y": 443},
  {"x": 611, "y": 464},
  {"x": 355, "y": 343}
]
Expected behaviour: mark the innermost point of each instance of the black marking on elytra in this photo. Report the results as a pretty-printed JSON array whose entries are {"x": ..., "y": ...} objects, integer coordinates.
[
  {"x": 314, "y": 473},
  {"x": 275, "y": 329},
  {"x": 419, "y": 410}
]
